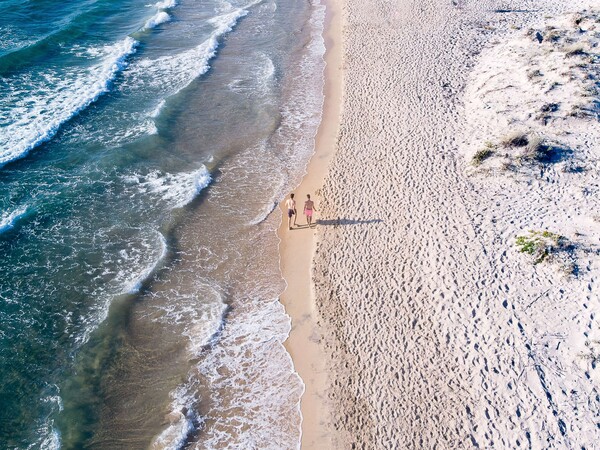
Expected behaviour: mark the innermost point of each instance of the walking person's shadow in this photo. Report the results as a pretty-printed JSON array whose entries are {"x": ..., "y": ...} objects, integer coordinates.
[{"x": 337, "y": 222}]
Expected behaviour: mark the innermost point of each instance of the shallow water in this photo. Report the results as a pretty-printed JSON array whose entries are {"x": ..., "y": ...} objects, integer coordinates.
[{"x": 143, "y": 148}]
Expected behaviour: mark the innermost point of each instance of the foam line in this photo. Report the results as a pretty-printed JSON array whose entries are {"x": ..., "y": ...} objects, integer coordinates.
[
  {"x": 166, "y": 4},
  {"x": 8, "y": 219},
  {"x": 186, "y": 66},
  {"x": 43, "y": 120},
  {"x": 159, "y": 18},
  {"x": 136, "y": 284}
]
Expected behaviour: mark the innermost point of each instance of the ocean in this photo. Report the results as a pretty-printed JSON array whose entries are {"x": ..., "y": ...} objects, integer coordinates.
[{"x": 144, "y": 148}]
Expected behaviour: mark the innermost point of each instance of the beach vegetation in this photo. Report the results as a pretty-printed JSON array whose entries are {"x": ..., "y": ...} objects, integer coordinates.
[
  {"x": 579, "y": 111},
  {"x": 575, "y": 50},
  {"x": 568, "y": 267},
  {"x": 562, "y": 87},
  {"x": 539, "y": 150},
  {"x": 573, "y": 167},
  {"x": 545, "y": 112},
  {"x": 577, "y": 19},
  {"x": 540, "y": 244},
  {"x": 535, "y": 150},
  {"x": 514, "y": 139},
  {"x": 553, "y": 35},
  {"x": 550, "y": 107},
  {"x": 484, "y": 153},
  {"x": 533, "y": 74}
]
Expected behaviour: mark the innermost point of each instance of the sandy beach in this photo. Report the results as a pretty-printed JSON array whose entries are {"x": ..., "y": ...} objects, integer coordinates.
[
  {"x": 297, "y": 251},
  {"x": 442, "y": 302}
]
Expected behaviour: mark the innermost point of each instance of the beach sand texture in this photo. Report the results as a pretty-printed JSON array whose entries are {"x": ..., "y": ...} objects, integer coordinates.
[{"x": 438, "y": 333}]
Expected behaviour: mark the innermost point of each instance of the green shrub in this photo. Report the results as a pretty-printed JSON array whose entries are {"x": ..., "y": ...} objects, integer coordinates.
[{"x": 539, "y": 244}]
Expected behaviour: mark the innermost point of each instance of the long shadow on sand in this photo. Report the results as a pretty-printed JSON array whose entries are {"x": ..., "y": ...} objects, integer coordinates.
[
  {"x": 504, "y": 11},
  {"x": 336, "y": 222}
]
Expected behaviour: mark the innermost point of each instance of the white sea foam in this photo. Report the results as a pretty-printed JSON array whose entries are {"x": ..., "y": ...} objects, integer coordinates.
[
  {"x": 120, "y": 135},
  {"x": 51, "y": 441},
  {"x": 264, "y": 213},
  {"x": 156, "y": 111},
  {"x": 181, "y": 419},
  {"x": 202, "y": 319},
  {"x": 253, "y": 386},
  {"x": 13, "y": 39},
  {"x": 176, "y": 189},
  {"x": 257, "y": 79},
  {"x": 268, "y": 70},
  {"x": 49, "y": 437},
  {"x": 143, "y": 250},
  {"x": 54, "y": 99},
  {"x": 200, "y": 315},
  {"x": 134, "y": 284},
  {"x": 152, "y": 128},
  {"x": 177, "y": 71},
  {"x": 260, "y": 374},
  {"x": 56, "y": 399},
  {"x": 9, "y": 218},
  {"x": 159, "y": 18},
  {"x": 278, "y": 192},
  {"x": 166, "y": 4},
  {"x": 223, "y": 7}
]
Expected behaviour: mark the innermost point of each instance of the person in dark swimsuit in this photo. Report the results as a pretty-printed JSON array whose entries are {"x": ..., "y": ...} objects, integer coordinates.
[{"x": 290, "y": 204}]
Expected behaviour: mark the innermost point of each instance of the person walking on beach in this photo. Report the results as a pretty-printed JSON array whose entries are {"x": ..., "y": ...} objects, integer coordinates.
[
  {"x": 309, "y": 207},
  {"x": 291, "y": 210}
]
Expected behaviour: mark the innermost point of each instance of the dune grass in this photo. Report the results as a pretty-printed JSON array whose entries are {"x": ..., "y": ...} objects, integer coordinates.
[
  {"x": 483, "y": 154},
  {"x": 515, "y": 138}
]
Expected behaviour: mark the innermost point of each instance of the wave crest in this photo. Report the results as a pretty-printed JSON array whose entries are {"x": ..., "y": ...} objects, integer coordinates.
[
  {"x": 43, "y": 115},
  {"x": 176, "y": 189},
  {"x": 9, "y": 218},
  {"x": 159, "y": 18}
]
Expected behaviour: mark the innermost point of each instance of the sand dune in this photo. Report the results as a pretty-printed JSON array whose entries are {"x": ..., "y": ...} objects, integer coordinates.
[{"x": 439, "y": 332}]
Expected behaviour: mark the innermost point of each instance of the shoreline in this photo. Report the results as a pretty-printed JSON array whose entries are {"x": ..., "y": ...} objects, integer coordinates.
[{"x": 296, "y": 249}]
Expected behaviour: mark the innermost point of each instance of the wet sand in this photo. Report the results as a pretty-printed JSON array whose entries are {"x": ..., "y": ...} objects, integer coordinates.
[{"x": 297, "y": 250}]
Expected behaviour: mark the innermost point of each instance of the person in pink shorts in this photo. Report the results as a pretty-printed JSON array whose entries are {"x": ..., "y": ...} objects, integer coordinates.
[{"x": 309, "y": 207}]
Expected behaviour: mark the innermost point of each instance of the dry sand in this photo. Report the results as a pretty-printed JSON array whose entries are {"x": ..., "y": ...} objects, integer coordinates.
[{"x": 437, "y": 332}]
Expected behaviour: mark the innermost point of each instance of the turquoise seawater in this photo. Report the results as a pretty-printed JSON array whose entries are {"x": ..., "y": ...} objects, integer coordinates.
[{"x": 135, "y": 137}]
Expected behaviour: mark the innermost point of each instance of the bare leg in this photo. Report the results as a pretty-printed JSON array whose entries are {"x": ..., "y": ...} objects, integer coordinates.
[{"x": 289, "y": 222}]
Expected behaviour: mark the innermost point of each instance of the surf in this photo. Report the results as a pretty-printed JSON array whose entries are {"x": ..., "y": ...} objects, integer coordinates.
[
  {"x": 59, "y": 102},
  {"x": 8, "y": 219}
]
